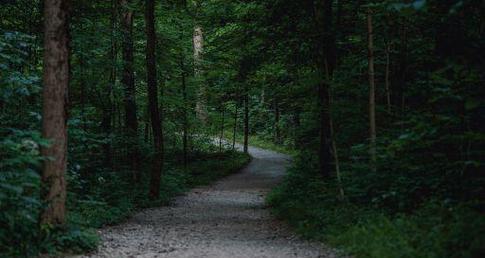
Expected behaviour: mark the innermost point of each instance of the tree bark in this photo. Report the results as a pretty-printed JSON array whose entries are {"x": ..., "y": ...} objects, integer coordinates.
[
  {"x": 107, "y": 119},
  {"x": 54, "y": 109},
  {"x": 337, "y": 163},
  {"x": 146, "y": 137},
  {"x": 246, "y": 119},
  {"x": 277, "y": 134},
  {"x": 198, "y": 45},
  {"x": 157, "y": 166},
  {"x": 83, "y": 91},
  {"x": 387, "y": 79},
  {"x": 401, "y": 71},
  {"x": 128, "y": 81},
  {"x": 185, "y": 118},
  {"x": 325, "y": 63},
  {"x": 372, "y": 97},
  {"x": 222, "y": 128},
  {"x": 235, "y": 128}
]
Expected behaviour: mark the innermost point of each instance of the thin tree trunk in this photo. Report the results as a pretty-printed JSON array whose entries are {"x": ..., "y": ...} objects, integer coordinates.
[
  {"x": 277, "y": 122},
  {"x": 372, "y": 97},
  {"x": 296, "y": 125},
  {"x": 235, "y": 128},
  {"x": 128, "y": 81},
  {"x": 157, "y": 164},
  {"x": 83, "y": 92},
  {"x": 54, "y": 110},
  {"x": 120, "y": 115},
  {"x": 246, "y": 118},
  {"x": 222, "y": 128},
  {"x": 387, "y": 79},
  {"x": 399, "y": 94},
  {"x": 118, "y": 129},
  {"x": 325, "y": 65},
  {"x": 147, "y": 127},
  {"x": 185, "y": 118},
  {"x": 335, "y": 156},
  {"x": 106, "y": 122},
  {"x": 263, "y": 97},
  {"x": 337, "y": 162}
]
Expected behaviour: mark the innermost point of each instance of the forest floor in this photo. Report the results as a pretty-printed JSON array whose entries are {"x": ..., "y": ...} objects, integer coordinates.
[{"x": 226, "y": 219}]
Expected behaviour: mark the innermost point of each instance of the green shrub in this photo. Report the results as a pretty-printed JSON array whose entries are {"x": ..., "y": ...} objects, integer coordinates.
[
  {"x": 19, "y": 191},
  {"x": 70, "y": 239},
  {"x": 433, "y": 231},
  {"x": 437, "y": 228}
]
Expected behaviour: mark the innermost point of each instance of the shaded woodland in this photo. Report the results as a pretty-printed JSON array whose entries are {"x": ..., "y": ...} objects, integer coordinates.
[{"x": 109, "y": 107}]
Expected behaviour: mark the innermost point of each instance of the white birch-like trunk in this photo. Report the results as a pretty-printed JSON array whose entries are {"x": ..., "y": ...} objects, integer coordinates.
[{"x": 201, "y": 104}]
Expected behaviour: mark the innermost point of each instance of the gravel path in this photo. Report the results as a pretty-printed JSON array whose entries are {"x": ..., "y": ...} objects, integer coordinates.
[{"x": 226, "y": 219}]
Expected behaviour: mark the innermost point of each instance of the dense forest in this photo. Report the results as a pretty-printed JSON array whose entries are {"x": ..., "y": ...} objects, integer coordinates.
[{"x": 111, "y": 107}]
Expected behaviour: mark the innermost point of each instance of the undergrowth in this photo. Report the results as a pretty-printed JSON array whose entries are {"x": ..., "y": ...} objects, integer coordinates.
[
  {"x": 436, "y": 228},
  {"x": 106, "y": 198}
]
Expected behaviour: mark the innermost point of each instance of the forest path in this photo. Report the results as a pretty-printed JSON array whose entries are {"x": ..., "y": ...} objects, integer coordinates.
[{"x": 226, "y": 219}]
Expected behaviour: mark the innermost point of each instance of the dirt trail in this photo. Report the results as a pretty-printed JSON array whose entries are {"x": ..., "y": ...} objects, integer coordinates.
[{"x": 226, "y": 219}]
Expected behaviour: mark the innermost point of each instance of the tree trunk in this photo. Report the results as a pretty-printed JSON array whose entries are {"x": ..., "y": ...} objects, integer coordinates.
[
  {"x": 128, "y": 81},
  {"x": 146, "y": 138},
  {"x": 387, "y": 79},
  {"x": 337, "y": 162},
  {"x": 296, "y": 125},
  {"x": 235, "y": 128},
  {"x": 246, "y": 118},
  {"x": 222, "y": 128},
  {"x": 54, "y": 109},
  {"x": 106, "y": 122},
  {"x": 83, "y": 92},
  {"x": 185, "y": 118},
  {"x": 201, "y": 104},
  {"x": 372, "y": 97},
  {"x": 325, "y": 64},
  {"x": 401, "y": 71},
  {"x": 277, "y": 135},
  {"x": 157, "y": 164}
]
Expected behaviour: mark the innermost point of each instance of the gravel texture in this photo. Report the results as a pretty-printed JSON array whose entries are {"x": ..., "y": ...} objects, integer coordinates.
[{"x": 226, "y": 219}]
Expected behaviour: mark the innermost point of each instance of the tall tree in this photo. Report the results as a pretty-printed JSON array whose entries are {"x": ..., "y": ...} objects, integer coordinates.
[
  {"x": 388, "y": 77},
  {"x": 128, "y": 81},
  {"x": 107, "y": 117},
  {"x": 234, "y": 131},
  {"x": 198, "y": 44},
  {"x": 246, "y": 120},
  {"x": 246, "y": 109},
  {"x": 277, "y": 129},
  {"x": 157, "y": 165},
  {"x": 325, "y": 60},
  {"x": 221, "y": 136},
  {"x": 184, "y": 112},
  {"x": 54, "y": 109},
  {"x": 372, "y": 93}
]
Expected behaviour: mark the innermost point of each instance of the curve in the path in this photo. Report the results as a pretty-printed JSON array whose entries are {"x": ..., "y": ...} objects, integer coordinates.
[{"x": 227, "y": 219}]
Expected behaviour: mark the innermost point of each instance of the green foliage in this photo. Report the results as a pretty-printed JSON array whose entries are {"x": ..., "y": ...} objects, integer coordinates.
[
  {"x": 423, "y": 200},
  {"x": 19, "y": 190},
  {"x": 70, "y": 239},
  {"x": 434, "y": 229}
]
